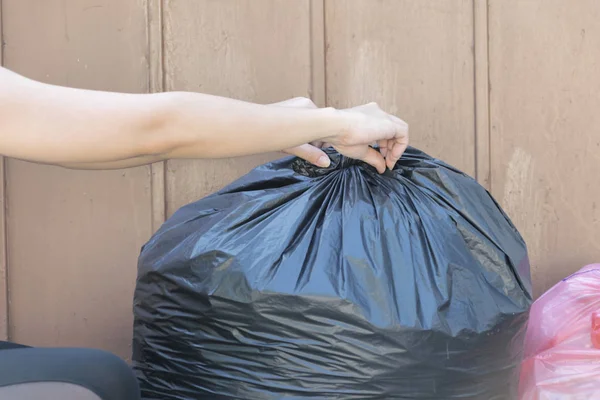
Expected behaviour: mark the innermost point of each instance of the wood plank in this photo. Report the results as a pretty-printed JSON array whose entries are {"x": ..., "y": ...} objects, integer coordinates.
[
  {"x": 317, "y": 44},
  {"x": 415, "y": 59},
  {"x": 545, "y": 97},
  {"x": 159, "y": 193},
  {"x": 482, "y": 94},
  {"x": 3, "y": 255},
  {"x": 257, "y": 50},
  {"x": 74, "y": 236},
  {"x": 156, "y": 84}
]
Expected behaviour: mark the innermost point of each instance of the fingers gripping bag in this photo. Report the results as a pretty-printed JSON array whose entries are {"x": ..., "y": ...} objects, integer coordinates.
[
  {"x": 298, "y": 282},
  {"x": 562, "y": 345}
]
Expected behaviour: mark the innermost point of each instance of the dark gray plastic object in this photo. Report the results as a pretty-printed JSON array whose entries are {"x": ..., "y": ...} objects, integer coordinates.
[{"x": 303, "y": 283}]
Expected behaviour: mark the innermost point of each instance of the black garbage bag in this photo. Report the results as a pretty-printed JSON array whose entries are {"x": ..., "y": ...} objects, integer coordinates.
[{"x": 303, "y": 283}]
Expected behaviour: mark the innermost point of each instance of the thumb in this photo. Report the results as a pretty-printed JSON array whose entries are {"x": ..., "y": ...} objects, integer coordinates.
[{"x": 311, "y": 154}]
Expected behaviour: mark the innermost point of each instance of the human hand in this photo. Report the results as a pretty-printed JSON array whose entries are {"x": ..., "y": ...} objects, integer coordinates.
[
  {"x": 369, "y": 124},
  {"x": 364, "y": 125}
]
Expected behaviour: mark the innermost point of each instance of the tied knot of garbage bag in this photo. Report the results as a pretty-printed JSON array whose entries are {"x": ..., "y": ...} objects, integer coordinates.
[{"x": 338, "y": 162}]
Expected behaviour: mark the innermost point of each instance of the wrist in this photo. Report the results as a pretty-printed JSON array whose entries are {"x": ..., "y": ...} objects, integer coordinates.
[{"x": 337, "y": 124}]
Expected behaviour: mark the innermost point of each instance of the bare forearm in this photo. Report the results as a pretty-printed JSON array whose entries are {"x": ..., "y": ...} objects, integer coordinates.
[
  {"x": 211, "y": 127},
  {"x": 56, "y": 125},
  {"x": 81, "y": 128}
]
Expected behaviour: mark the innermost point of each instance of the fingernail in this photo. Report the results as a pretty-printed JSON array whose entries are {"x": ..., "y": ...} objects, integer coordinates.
[{"x": 323, "y": 161}]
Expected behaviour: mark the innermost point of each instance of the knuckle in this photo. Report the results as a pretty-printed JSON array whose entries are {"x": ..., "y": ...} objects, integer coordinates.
[
  {"x": 306, "y": 100},
  {"x": 376, "y": 108},
  {"x": 302, "y": 101}
]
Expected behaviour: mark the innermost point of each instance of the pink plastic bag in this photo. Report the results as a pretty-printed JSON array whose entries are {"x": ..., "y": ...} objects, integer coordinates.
[{"x": 561, "y": 361}]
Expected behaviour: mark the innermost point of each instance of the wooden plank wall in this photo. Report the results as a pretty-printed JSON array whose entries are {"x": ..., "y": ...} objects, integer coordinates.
[
  {"x": 3, "y": 254},
  {"x": 506, "y": 90},
  {"x": 545, "y": 128},
  {"x": 73, "y": 236},
  {"x": 394, "y": 53}
]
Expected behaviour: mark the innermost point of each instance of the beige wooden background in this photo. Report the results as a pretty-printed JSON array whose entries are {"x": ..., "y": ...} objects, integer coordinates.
[{"x": 507, "y": 90}]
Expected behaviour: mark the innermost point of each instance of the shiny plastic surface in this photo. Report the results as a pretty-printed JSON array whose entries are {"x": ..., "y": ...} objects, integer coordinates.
[
  {"x": 562, "y": 361},
  {"x": 303, "y": 283}
]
